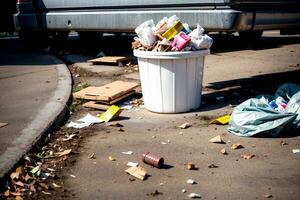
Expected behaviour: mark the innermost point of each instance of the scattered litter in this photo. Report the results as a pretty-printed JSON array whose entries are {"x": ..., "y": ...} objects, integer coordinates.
[
  {"x": 137, "y": 172},
  {"x": 183, "y": 190},
  {"x": 85, "y": 121},
  {"x": 223, "y": 151},
  {"x": 161, "y": 184},
  {"x": 191, "y": 181},
  {"x": 111, "y": 158},
  {"x": 155, "y": 193},
  {"x": 296, "y": 150},
  {"x": 127, "y": 152},
  {"x": 70, "y": 137},
  {"x": 19, "y": 183},
  {"x": 282, "y": 143},
  {"x": 191, "y": 166},
  {"x": 212, "y": 166},
  {"x": 194, "y": 196},
  {"x": 268, "y": 195},
  {"x": 153, "y": 136},
  {"x": 163, "y": 143},
  {"x": 185, "y": 125},
  {"x": 14, "y": 175},
  {"x": 92, "y": 156},
  {"x": 15, "y": 193},
  {"x": 217, "y": 139},
  {"x": 221, "y": 120},
  {"x": 48, "y": 193},
  {"x": 110, "y": 113},
  {"x": 56, "y": 186},
  {"x": 247, "y": 156},
  {"x": 63, "y": 153},
  {"x": 180, "y": 133},
  {"x": 268, "y": 115},
  {"x": 236, "y": 146},
  {"x": 132, "y": 164},
  {"x": 153, "y": 160},
  {"x": 220, "y": 98},
  {"x": 2, "y": 124},
  {"x": 73, "y": 176}
]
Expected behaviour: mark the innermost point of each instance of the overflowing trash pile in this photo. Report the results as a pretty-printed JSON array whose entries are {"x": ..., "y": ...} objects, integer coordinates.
[{"x": 170, "y": 34}]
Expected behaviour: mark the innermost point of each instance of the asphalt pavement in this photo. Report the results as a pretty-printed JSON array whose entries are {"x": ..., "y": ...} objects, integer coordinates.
[{"x": 34, "y": 89}]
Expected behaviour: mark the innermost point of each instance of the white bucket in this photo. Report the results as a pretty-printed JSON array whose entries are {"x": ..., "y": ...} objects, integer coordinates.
[{"x": 171, "y": 81}]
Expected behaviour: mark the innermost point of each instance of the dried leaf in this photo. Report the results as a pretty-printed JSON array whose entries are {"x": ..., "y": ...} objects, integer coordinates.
[
  {"x": 16, "y": 193},
  {"x": 223, "y": 151},
  {"x": 212, "y": 166},
  {"x": 217, "y": 139},
  {"x": 19, "y": 170},
  {"x": 56, "y": 186},
  {"x": 247, "y": 156},
  {"x": 14, "y": 175},
  {"x": 18, "y": 198},
  {"x": 19, "y": 183},
  {"x": 48, "y": 193},
  {"x": 137, "y": 172},
  {"x": 92, "y": 156},
  {"x": 185, "y": 125},
  {"x": 68, "y": 138},
  {"x": 236, "y": 146},
  {"x": 63, "y": 153},
  {"x": 44, "y": 185},
  {"x": 32, "y": 188}
]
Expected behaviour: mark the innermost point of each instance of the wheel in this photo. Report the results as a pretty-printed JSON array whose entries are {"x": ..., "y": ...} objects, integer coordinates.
[
  {"x": 250, "y": 36},
  {"x": 90, "y": 37}
]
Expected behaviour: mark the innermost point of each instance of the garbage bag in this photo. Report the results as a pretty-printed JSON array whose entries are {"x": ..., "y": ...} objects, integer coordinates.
[{"x": 257, "y": 117}]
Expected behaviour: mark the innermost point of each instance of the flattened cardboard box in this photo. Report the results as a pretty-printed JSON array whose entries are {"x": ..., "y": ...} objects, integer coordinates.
[
  {"x": 107, "y": 92},
  {"x": 109, "y": 59}
]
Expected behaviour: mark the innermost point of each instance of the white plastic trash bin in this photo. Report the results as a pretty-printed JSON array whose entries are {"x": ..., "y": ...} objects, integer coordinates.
[{"x": 171, "y": 81}]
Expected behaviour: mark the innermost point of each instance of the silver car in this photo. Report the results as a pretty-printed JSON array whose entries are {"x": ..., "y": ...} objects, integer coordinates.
[{"x": 248, "y": 17}]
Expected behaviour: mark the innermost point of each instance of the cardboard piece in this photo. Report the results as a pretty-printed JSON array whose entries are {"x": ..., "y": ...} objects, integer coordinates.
[
  {"x": 137, "y": 172},
  {"x": 95, "y": 105},
  {"x": 106, "y": 93},
  {"x": 109, "y": 60}
]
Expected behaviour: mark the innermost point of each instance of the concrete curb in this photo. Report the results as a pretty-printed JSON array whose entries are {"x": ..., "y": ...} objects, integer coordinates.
[{"x": 52, "y": 113}]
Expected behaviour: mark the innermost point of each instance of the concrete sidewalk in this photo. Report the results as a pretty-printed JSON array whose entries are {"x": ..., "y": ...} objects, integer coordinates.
[{"x": 35, "y": 89}]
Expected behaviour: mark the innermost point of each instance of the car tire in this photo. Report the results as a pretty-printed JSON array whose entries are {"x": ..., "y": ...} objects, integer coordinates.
[
  {"x": 250, "y": 36},
  {"x": 90, "y": 37}
]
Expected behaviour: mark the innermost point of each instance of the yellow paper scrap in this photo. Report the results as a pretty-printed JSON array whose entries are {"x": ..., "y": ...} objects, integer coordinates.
[
  {"x": 221, "y": 120},
  {"x": 110, "y": 113}
]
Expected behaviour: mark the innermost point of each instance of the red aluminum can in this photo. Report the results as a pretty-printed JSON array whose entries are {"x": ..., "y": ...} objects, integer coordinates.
[{"x": 153, "y": 160}]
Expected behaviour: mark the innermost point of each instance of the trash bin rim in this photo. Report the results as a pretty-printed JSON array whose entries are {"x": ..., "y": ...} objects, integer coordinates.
[{"x": 170, "y": 55}]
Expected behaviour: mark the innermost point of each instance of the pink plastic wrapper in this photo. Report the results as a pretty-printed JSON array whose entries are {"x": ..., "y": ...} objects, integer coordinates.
[{"x": 180, "y": 41}]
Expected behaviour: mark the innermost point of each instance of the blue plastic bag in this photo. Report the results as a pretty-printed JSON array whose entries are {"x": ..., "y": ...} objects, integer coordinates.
[{"x": 257, "y": 116}]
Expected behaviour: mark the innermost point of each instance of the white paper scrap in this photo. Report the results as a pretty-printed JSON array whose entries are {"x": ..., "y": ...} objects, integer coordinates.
[
  {"x": 127, "y": 152},
  {"x": 191, "y": 181},
  {"x": 194, "y": 195},
  {"x": 132, "y": 164},
  {"x": 85, "y": 121},
  {"x": 296, "y": 150}
]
